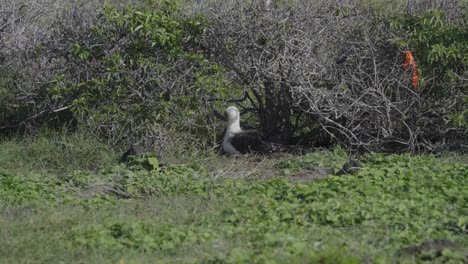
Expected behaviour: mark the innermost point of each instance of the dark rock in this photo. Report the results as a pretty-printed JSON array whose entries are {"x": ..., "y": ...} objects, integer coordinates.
[
  {"x": 135, "y": 150},
  {"x": 350, "y": 167}
]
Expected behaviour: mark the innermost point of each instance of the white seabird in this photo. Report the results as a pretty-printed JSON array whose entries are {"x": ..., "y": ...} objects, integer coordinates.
[{"x": 238, "y": 141}]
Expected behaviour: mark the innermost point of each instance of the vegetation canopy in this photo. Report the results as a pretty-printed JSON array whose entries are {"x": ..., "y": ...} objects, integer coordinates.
[{"x": 315, "y": 74}]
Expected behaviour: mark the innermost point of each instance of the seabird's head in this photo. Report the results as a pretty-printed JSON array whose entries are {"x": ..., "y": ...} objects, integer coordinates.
[{"x": 232, "y": 114}]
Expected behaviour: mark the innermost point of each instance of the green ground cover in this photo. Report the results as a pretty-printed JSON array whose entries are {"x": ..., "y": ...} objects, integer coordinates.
[{"x": 147, "y": 211}]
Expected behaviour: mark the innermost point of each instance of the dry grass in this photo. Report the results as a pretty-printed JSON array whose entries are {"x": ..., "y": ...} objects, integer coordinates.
[{"x": 259, "y": 167}]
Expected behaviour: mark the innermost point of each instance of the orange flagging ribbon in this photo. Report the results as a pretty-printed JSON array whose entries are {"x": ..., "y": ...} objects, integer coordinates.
[{"x": 409, "y": 60}]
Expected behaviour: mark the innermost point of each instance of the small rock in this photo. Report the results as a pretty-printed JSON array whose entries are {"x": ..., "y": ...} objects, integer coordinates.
[{"x": 350, "y": 167}]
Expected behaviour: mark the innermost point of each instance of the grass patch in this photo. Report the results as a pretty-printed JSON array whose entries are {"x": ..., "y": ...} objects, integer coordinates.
[{"x": 51, "y": 152}]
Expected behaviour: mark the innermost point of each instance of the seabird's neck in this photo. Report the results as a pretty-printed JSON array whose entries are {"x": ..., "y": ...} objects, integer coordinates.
[{"x": 233, "y": 126}]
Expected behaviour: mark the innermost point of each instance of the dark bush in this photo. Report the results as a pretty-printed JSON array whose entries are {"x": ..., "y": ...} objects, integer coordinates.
[{"x": 334, "y": 69}]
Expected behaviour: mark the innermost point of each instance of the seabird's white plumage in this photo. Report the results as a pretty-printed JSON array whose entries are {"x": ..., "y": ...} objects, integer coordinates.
[
  {"x": 233, "y": 127},
  {"x": 237, "y": 141}
]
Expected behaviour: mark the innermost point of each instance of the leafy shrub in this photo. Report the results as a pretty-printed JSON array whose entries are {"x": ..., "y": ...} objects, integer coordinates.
[
  {"x": 133, "y": 63},
  {"x": 441, "y": 47},
  {"x": 127, "y": 74},
  {"x": 460, "y": 119},
  {"x": 316, "y": 74},
  {"x": 26, "y": 27},
  {"x": 335, "y": 78}
]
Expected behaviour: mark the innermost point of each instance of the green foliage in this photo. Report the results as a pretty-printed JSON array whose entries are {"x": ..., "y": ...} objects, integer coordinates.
[
  {"x": 407, "y": 199},
  {"x": 125, "y": 78},
  {"x": 333, "y": 160},
  {"x": 441, "y": 48},
  {"x": 45, "y": 191},
  {"x": 142, "y": 178},
  {"x": 460, "y": 119},
  {"x": 140, "y": 235},
  {"x": 20, "y": 190},
  {"x": 163, "y": 27},
  {"x": 81, "y": 52},
  {"x": 393, "y": 202}
]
